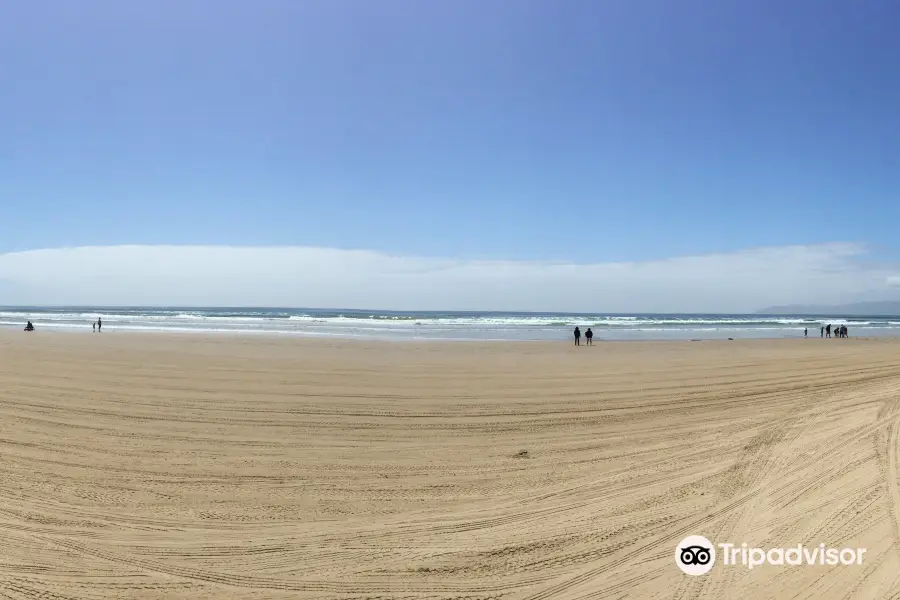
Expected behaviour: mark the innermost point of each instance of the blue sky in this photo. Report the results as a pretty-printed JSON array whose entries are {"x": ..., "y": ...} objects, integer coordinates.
[{"x": 579, "y": 131}]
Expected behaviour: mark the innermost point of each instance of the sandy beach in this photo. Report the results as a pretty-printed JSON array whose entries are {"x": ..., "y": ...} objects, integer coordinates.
[{"x": 191, "y": 466}]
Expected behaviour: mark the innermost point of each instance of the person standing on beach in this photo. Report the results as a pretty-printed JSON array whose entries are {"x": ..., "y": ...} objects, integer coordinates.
[
  {"x": 94, "y": 326},
  {"x": 99, "y": 323},
  {"x": 589, "y": 335},
  {"x": 577, "y": 336},
  {"x": 822, "y": 332},
  {"x": 805, "y": 332},
  {"x": 828, "y": 330}
]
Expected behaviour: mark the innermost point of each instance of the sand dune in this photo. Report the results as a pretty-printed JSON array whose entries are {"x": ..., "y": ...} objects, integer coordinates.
[{"x": 166, "y": 466}]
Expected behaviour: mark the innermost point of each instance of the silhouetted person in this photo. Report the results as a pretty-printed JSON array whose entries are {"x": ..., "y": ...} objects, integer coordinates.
[
  {"x": 94, "y": 326},
  {"x": 99, "y": 324},
  {"x": 828, "y": 330},
  {"x": 805, "y": 332},
  {"x": 844, "y": 330},
  {"x": 822, "y": 332},
  {"x": 29, "y": 326},
  {"x": 589, "y": 335},
  {"x": 577, "y": 336}
]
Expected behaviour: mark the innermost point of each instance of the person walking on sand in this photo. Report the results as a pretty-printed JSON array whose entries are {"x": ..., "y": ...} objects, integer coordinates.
[
  {"x": 589, "y": 336},
  {"x": 577, "y": 336}
]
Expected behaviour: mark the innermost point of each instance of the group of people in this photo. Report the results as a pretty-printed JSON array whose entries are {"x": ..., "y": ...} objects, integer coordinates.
[
  {"x": 588, "y": 336},
  {"x": 839, "y": 331},
  {"x": 96, "y": 325}
]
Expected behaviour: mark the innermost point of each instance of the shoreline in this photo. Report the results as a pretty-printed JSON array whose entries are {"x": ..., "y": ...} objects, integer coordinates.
[
  {"x": 315, "y": 339},
  {"x": 441, "y": 327}
]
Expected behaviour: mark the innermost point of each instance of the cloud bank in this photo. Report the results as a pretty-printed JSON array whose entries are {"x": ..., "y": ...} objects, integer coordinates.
[{"x": 322, "y": 277}]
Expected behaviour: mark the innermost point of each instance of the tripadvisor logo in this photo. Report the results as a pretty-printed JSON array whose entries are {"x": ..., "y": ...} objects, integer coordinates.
[{"x": 696, "y": 555}]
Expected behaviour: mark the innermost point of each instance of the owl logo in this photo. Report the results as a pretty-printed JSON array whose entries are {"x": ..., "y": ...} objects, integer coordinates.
[{"x": 695, "y": 555}]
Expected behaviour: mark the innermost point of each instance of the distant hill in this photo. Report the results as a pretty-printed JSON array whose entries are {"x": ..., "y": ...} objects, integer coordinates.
[{"x": 857, "y": 309}]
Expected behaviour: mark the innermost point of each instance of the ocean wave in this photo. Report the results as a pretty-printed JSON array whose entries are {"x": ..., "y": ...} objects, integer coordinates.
[{"x": 432, "y": 325}]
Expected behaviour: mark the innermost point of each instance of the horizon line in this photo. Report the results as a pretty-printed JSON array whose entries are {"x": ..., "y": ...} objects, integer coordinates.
[{"x": 433, "y": 311}]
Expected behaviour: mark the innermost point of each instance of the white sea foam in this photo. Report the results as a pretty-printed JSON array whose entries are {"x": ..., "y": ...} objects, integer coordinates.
[{"x": 510, "y": 326}]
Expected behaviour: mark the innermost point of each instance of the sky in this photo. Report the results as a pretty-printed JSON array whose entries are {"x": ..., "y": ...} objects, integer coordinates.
[{"x": 490, "y": 154}]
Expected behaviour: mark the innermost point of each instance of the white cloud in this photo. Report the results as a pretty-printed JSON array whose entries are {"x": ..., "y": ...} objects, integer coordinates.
[{"x": 321, "y": 277}]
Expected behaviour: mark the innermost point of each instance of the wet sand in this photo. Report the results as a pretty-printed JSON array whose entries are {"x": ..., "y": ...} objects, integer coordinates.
[{"x": 186, "y": 466}]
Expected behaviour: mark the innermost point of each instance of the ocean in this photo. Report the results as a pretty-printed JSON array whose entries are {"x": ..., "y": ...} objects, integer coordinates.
[{"x": 390, "y": 325}]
